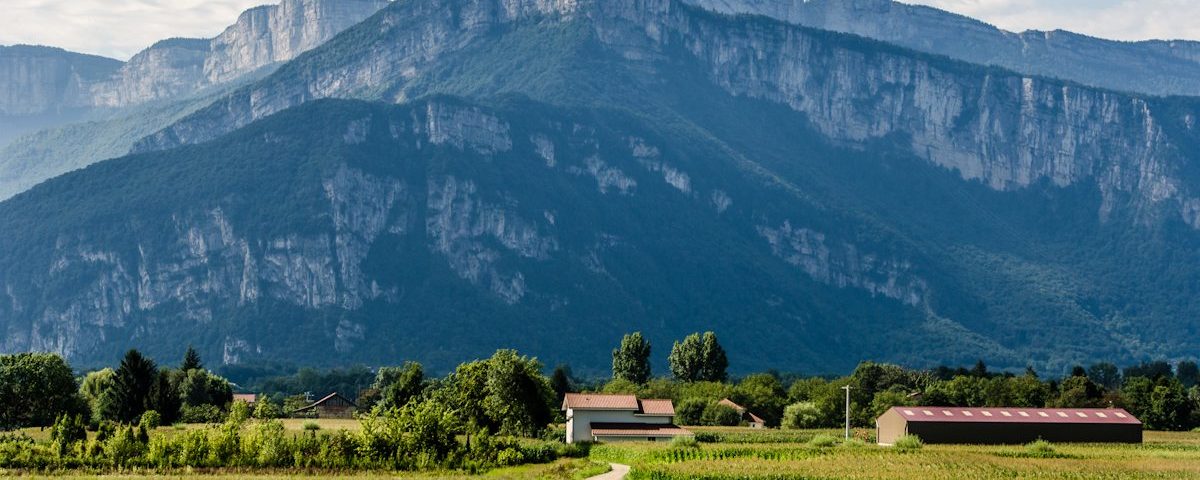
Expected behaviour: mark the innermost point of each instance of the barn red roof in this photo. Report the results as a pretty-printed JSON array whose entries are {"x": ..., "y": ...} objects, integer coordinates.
[
  {"x": 1016, "y": 415},
  {"x": 597, "y": 401},
  {"x": 657, "y": 407},
  {"x": 636, "y": 430}
]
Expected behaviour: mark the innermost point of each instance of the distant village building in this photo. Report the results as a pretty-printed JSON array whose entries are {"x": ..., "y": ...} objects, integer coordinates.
[
  {"x": 331, "y": 406},
  {"x": 1008, "y": 425},
  {"x": 607, "y": 418},
  {"x": 748, "y": 418},
  {"x": 249, "y": 398}
]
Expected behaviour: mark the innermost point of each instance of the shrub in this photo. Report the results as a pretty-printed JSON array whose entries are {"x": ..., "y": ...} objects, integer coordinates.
[
  {"x": 720, "y": 415},
  {"x": 66, "y": 432},
  {"x": 239, "y": 412},
  {"x": 201, "y": 414},
  {"x": 802, "y": 415},
  {"x": 509, "y": 457},
  {"x": 708, "y": 437},
  {"x": 311, "y": 426},
  {"x": 908, "y": 443},
  {"x": 124, "y": 448},
  {"x": 265, "y": 409},
  {"x": 1040, "y": 447},
  {"x": 823, "y": 441},
  {"x": 555, "y": 433},
  {"x": 150, "y": 419},
  {"x": 684, "y": 442}
]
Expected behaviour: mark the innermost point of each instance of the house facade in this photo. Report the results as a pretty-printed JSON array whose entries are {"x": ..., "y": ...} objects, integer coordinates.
[{"x": 608, "y": 418}]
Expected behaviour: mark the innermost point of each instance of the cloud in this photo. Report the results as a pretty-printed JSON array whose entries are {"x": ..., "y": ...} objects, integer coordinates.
[
  {"x": 1115, "y": 19},
  {"x": 115, "y": 28}
]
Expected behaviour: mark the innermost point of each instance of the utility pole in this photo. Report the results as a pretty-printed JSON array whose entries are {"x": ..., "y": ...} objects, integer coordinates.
[{"x": 847, "y": 389}]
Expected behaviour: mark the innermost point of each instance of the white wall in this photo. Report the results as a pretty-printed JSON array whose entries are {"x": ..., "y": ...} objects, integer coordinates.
[{"x": 579, "y": 421}]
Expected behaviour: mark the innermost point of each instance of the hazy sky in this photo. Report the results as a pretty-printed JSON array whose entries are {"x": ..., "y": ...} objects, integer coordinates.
[{"x": 120, "y": 28}]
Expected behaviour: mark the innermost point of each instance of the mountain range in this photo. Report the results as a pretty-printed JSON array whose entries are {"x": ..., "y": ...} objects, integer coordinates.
[{"x": 447, "y": 177}]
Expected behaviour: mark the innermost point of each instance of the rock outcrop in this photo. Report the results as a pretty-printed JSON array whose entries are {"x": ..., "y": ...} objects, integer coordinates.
[
  {"x": 262, "y": 37},
  {"x": 1149, "y": 67},
  {"x": 37, "y": 80}
]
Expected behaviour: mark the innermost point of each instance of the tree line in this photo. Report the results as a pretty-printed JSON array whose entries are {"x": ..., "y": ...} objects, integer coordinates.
[{"x": 1162, "y": 395}]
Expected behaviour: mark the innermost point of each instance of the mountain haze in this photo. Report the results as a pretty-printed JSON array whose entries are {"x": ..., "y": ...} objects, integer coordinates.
[
  {"x": 101, "y": 115},
  {"x": 449, "y": 177}
]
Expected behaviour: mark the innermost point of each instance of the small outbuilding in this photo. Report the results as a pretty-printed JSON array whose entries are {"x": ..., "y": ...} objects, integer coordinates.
[
  {"x": 593, "y": 417},
  {"x": 1008, "y": 425},
  {"x": 249, "y": 398},
  {"x": 331, "y": 406},
  {"x": 748, "y": 417}
]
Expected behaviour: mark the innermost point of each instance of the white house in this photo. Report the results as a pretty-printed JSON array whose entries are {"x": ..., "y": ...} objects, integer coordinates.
[{"x": 604, "y": 418}]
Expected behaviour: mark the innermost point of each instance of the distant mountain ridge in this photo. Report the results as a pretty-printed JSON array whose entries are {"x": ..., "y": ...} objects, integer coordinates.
[
  {"x": 53, "y": 121},
  {"x": 1151, "y": 67},
  {"x": 566, "y": 169}
]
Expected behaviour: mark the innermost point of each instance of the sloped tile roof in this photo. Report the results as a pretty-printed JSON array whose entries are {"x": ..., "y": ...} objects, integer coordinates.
[
  {"x": 657, "y": 407},
  {"x": 598, "y": 401}
]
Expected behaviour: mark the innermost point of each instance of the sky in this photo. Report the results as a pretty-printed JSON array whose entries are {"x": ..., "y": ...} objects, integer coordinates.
[{"x": 121, "y": 28}]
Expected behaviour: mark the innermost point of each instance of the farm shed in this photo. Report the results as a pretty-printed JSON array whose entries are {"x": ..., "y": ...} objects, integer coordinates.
[
  {"x": 1008, "y": 425},
  {"x": 249, "y": 398},
  {"x": 605, "y": 418},
  {"x": 331, "y": 406}
]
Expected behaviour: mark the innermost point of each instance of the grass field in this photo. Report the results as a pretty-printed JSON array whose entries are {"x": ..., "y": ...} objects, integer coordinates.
[
  {"x": 1163, "y": 456},
  {"x": 744, "y": 453}
]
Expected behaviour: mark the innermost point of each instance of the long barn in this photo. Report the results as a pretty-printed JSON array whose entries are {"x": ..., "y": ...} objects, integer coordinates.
[{"x": 1008, "y": 425}]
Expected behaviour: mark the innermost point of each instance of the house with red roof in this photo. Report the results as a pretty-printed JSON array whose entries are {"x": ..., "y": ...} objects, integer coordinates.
[{"x": 594, "y": 417}]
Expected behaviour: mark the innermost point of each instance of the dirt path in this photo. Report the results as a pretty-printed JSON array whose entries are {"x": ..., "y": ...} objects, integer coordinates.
[{"x": 618, "y": 473}]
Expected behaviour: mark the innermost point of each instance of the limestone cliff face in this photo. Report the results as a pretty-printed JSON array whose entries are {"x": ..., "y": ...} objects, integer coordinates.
[
  {"x": 1153, "y": 67},
  {"x": 278, "y": 33},
  {"x": 262, "y": 36},
  {"x": 37, "y": 80},
  {"x": 1005, "y": 130},
  {"x": 168, "y": 69}
]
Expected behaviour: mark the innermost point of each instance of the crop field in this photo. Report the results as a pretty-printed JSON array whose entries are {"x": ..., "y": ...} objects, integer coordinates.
[{"x": 755, "y": 454}]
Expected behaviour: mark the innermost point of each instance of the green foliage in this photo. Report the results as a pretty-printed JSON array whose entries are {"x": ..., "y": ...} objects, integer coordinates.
[
  {"x": 407, "y": 386},
  {"x": 36, "y": 389},
  {"x": 266, "y": 409},
  {"x": 684, "y": 442},
  {"x": 803, "y": 415},
  {"x": 205, "y": 413},
  {"x": 519, "y": 398},
  {"x": 763, "y": 395},
  {"x": 698, "y": 358},
  {"x": 908, "y": 443},
  {"x": 132, "y": 383},
  {"x": 239, "y": 412},
  {"x": 691, "y": 410},
  {"x": 707, "y": 437},
  {"x": 560, "y": 382},
  {"x": 96, "y": 391},
  {"x": 150, "y": 419},
  {"x": 311, "y": 426},
  {"x": 164, "y": 396},
  {"x": 67, "y": 432},
  {"x": 201, "y": 387},
  {"x": 719, "y": 415},
  {"x": 823, "y": 441},
  {"x": 191, "y": 360},
  {"x": 631, "y": 361}
]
